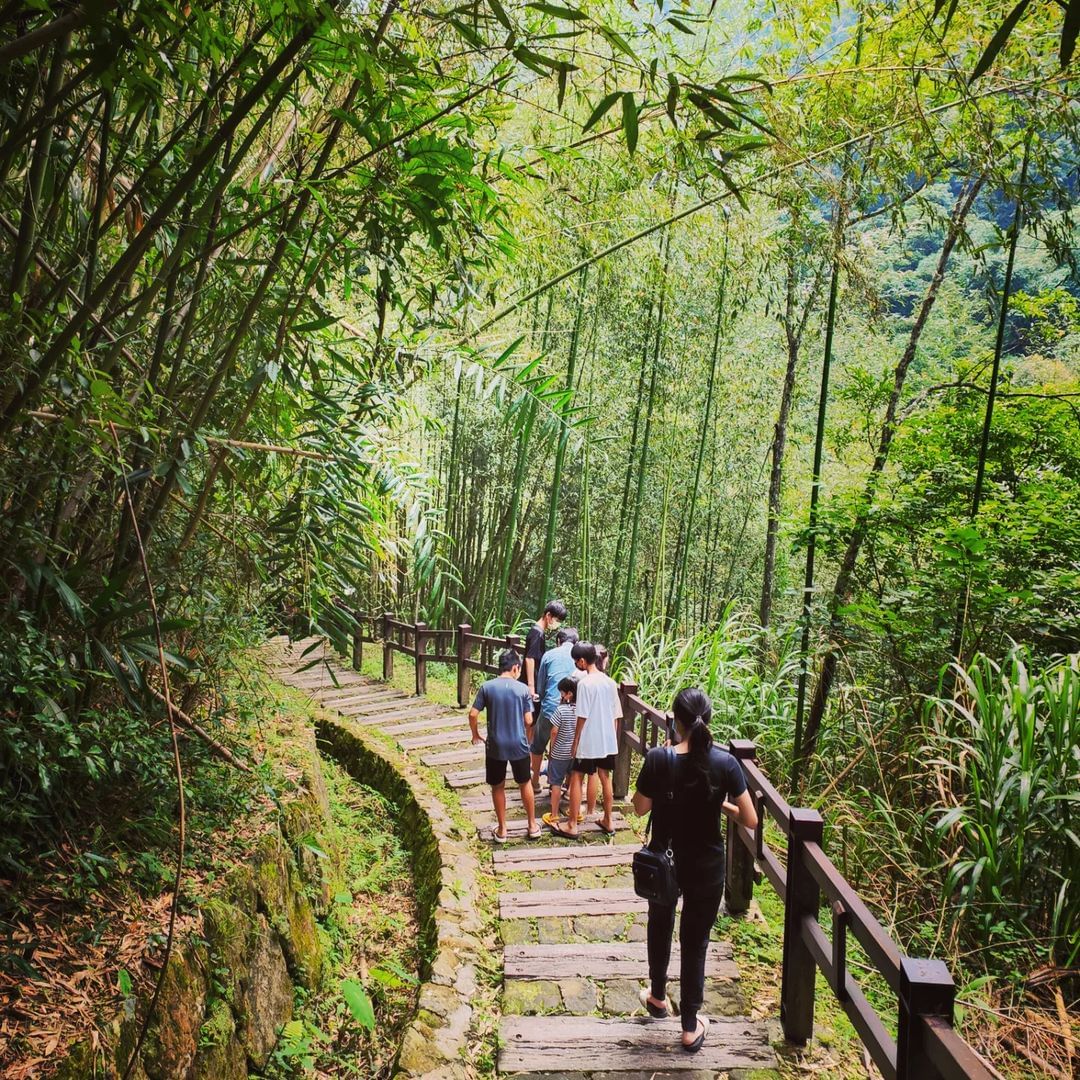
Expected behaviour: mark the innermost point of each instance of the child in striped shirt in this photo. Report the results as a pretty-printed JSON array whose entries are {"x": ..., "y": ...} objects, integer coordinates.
[{"x": 563, "y": 724}]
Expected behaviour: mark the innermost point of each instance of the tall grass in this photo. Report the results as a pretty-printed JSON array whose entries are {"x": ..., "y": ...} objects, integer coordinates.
[
  {"x": 751, "y": 699},
  {"x": 1007, "y": 744}
]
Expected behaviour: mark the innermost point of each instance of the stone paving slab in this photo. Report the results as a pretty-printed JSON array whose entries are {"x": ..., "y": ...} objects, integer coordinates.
[
  {"x": 437, "y": 722},
  {"x": 517, "y": 826},
  {"x": 355, "y": 693}
]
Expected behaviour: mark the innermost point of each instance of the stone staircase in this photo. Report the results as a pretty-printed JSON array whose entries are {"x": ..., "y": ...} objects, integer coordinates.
[{"x": 572, "y": 929}]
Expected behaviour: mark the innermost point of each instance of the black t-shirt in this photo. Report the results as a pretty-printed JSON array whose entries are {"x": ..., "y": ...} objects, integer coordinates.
[
  {"x": 692, "y": 817},
  {"x": 535, "y": 647}
]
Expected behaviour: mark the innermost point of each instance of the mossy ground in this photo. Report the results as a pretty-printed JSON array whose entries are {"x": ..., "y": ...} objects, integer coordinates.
[{"x": 369, "y": 931}]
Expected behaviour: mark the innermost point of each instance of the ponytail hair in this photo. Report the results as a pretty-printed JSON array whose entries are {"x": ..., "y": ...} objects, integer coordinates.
[{"x": 693, "y": 711}]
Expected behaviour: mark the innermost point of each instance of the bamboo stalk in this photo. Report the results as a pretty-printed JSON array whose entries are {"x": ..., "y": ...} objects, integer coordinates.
[
  {"x": 700, "y": 457},
  {"x": 635, "y": 527},
  {"x": 22, "y": 257},
  {"x": 560, "y": 451}
]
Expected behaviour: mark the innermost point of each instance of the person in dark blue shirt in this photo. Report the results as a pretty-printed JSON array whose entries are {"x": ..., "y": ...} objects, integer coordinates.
[{"x": 508, "y": 705}]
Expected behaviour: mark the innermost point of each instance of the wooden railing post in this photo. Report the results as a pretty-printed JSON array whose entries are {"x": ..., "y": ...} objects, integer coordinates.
[
  {"x": 739, "y": 875},
  {"x": 358, "y": 641},
  {"x": 420, "y": 643},
  {"x": 620, "y": 781},
  {"x": 387, "y": 651},
  {"x": 926, "y": 989},
  {"x": 463, "y": 651},
  {"x": 802, "y": 901}
]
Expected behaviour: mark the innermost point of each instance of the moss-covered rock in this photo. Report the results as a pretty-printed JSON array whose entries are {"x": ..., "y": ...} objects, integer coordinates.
[
  {"x": 173, "y": 1042},
  {"x": 281, "y": 896},
  {"x": 228, "y": 932},
  {"x": 303, "y": 948},
  {"x": 220, "y": 1056},
  {"x": 267, "y": 999},
  {"x": 526, "y": 997}
]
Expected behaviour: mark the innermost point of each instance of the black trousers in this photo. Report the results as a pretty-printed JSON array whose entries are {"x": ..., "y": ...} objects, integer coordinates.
[{"x": 698, "y": 915}]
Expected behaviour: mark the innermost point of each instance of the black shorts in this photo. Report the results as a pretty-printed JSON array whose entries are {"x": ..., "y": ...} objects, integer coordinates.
[
  {"x": 496, "y": 770},
  {"x": 588, "y": 766}
]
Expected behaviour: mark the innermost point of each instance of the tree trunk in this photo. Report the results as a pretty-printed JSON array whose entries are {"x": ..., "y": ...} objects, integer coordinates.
[{"x": 841, "y": 589}]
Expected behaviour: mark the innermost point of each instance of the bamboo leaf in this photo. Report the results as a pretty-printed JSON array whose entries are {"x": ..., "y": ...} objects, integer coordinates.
[
  {"x": 630, "y": 121},
  {"x": 672, "y": 96},
  {"x": 316, "y": 324},
  {"x": 601, "y": 109},
  {"x": 359, "y": 1003},
  {"x": 500, "y": 13},
  {"x": 557, "y": 11},
  {"x": 997, "y": 42}
]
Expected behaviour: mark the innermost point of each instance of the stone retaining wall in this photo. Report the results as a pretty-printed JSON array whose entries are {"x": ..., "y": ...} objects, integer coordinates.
[
  {"x": 228, "y": 990},
  {"x": 446, "y": 876}
]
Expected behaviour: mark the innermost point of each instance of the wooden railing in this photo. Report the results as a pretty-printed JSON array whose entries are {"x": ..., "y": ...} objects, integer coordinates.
[
  {"x": 926, "y": 1047},
  {"x": 460, "y": 647}
]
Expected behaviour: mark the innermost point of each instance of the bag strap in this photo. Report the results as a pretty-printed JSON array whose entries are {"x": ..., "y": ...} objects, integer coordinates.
[{"x": 669, "y": 757}]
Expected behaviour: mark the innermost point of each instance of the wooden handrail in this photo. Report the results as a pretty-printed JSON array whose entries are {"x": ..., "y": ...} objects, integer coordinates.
[{"x": 927, "y": 1047}]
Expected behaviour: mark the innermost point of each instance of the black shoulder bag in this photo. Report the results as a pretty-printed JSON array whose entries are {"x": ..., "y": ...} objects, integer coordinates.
[{"x": 654, "y": 871}]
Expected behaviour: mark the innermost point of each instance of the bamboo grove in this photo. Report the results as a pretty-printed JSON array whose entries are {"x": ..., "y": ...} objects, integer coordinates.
[{"x": 752, "y": 335}]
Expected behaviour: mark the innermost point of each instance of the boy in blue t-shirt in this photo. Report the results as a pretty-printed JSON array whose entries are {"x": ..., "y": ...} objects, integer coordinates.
[{"x": 508, "y": 705}]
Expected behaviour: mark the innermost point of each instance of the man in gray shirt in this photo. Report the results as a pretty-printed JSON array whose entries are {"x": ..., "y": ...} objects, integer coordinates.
[{"x": 508, "y": 705}]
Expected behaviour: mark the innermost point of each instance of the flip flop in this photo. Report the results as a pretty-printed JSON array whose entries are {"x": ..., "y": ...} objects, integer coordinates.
[
  {"x": 497, "y": 838},
  {"x": 605, "y": 831},
  {"x": 560, "y": 831},
  {"x": 535, "y": 835},
  {"x": 695, "y": 1046},
  {"x": 550, "y": 820},
  {"x": 657, "y": 1012}
]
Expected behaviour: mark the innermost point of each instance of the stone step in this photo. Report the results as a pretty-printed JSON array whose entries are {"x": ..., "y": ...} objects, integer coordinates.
[
  {"x": 442, "y": 738},
  {"x": 562, "y": 1044},
  {"x": 320, "y": 679},
  {"x": 463, "y": 778},
  {"x": 482, "y": 801},
  {"x": 391, "y": 709},
  {"x": 617, "y": 960},
  {"x": 336, "y": 700},
  {"x": 454, "y": 757},
  {"x": 481, "y": 810},
  {"x": 556, "y": 903},
  {"x": 438, "y": 722},
  {"x": 590, "y": 830},
  {"x": 513, "y": 795},
  {"x": 527, "y": 860},
  {"x": 398, "y": 715}
]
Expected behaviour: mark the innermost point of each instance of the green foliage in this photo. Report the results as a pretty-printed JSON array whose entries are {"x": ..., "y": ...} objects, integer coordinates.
[
  {"x": 1020, "y": 555},
  {"x": 1007, "y": 737},
  {"x": 752, "y": 697},
  {"x": 359, "y": 1003}
]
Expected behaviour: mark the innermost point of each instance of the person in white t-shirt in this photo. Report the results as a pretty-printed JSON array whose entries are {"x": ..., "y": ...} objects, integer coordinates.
[{"x": 596, "y": 738}]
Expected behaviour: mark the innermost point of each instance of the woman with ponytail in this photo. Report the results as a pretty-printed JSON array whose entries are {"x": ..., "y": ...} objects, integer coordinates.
[{"x": 688, "y": 786}]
